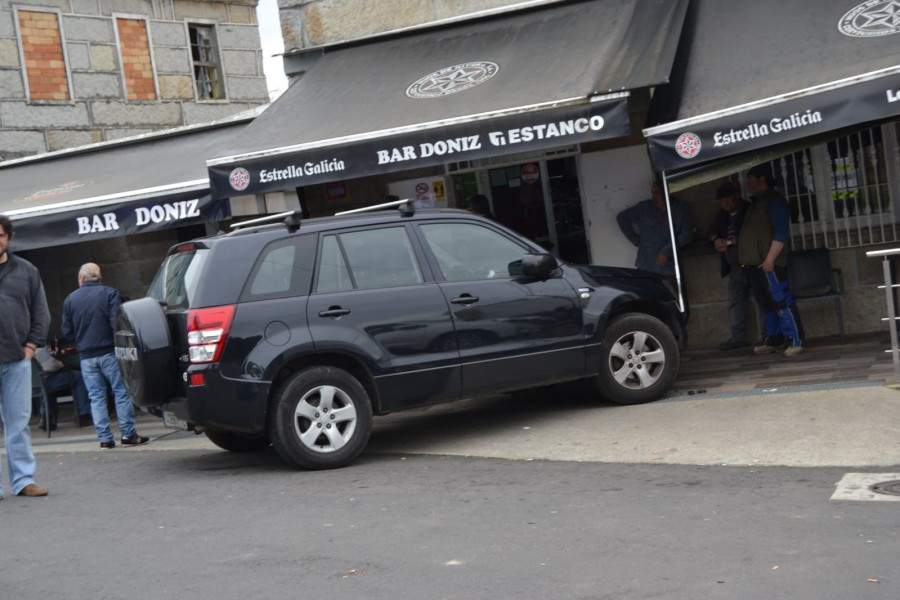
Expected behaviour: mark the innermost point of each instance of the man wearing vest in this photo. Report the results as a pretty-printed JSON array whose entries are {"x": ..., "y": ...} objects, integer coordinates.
[{"x": 762, "y": 253}]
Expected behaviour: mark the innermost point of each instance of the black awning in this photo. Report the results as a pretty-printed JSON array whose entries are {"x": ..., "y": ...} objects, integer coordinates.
[
  {"x": 765, "y": 72},
  {"x": 492, "y": 85},
  {"x": 112, "y": 189}
]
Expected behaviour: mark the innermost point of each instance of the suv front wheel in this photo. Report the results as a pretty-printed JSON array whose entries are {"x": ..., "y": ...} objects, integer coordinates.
[
  {"x": 640, "y": 359},
  {"x": 322, "y": 418}
]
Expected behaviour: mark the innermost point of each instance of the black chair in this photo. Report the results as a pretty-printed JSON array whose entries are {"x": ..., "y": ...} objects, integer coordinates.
[
  {"x": 67, "y": 388},
  {"x": 39, "y": 394},
  {"x": 811, "y": 277}
]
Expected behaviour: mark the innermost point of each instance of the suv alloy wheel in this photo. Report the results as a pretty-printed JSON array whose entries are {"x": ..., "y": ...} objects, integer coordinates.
[
  {"x": 640, "y": 359},
  {"x": 322, "y": 418}
]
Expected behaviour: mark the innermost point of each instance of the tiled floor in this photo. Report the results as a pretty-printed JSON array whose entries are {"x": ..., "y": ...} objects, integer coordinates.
[{"x": 862, "y": 359}]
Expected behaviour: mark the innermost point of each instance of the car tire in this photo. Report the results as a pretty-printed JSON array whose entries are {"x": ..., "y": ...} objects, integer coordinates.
[
  {"x": 144, "y": 352},
  {"x": 321, "y": 419},
  {"x": 640, "y": 359},
  {"x": 236, "y": 442}
]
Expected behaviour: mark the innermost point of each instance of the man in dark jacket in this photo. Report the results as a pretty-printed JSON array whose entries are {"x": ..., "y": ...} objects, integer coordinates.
[
  {"x": 24, "y": 322},
  {"x": 764, "y": 258},
  {"x": 89, "y": 318},
  {"x": 723, "y": 234}
]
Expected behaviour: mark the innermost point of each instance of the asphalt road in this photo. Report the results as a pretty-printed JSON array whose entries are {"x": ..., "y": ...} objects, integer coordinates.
[{"x": 205, "y": 524}]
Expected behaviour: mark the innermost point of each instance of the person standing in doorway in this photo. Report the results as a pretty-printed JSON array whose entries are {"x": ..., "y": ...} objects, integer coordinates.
[
  {"x": 724, "y": 234},
  {"x": 646, "y": 225},
  {"x": 24, "y": 323},
  {"x": 89, "y": 318},
  {"x": 761, "y": 249},
  {"x": 481, "y": 206}
]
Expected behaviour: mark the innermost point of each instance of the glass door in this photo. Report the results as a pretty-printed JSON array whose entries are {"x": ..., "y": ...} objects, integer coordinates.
[{"x": 539, "y": 199}]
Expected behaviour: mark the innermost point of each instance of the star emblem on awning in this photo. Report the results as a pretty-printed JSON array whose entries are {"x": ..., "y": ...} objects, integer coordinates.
[
  {"x": 871, "y": 19},
  {"x": 451, "y": 80},
  {"x": 887, "y": 15}
]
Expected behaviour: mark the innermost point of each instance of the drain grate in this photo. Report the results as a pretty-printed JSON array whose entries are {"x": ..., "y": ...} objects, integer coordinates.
[
  {"x": 877, "y": 487},
  {"x": 888, "y": 488}
]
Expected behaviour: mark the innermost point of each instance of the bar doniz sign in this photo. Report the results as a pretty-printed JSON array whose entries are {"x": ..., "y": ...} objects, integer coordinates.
[{"x": 117, "y": 220}]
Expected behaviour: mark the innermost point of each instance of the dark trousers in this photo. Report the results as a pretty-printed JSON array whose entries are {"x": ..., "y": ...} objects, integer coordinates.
[{"x": 773, "y": 295}]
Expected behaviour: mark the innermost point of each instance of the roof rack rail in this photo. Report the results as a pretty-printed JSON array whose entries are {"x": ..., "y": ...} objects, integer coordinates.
[
  {"x": 406, "y": 208},
  {"x": 290, "y": 218}
]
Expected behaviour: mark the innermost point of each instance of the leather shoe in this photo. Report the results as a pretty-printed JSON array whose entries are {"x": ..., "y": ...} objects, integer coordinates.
[{"x": 33, "y": 490}]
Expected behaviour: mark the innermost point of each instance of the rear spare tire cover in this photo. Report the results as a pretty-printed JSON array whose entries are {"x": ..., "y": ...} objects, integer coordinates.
[{"x": 144, "y": 351}]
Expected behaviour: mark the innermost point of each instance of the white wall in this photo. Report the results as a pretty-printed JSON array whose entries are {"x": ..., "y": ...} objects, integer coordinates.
[{"x": 613, "y": 180}]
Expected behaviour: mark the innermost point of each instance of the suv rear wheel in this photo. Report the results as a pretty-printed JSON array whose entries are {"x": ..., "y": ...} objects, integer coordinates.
[
  {"x": 640, "y": 359},
  {"x": 236, "y": 442},
  {"x": 322, "y": 418}
]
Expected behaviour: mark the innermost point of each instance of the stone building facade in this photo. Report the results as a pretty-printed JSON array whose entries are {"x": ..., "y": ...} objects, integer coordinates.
[
  {"x": 306, "y": 23},
  {"x": 77, "y": 72}
]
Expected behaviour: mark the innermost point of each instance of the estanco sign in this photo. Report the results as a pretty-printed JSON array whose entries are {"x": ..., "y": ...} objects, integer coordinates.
[
  {"x": 411, "y": 149},
  {"x": 780, "y": 122}
]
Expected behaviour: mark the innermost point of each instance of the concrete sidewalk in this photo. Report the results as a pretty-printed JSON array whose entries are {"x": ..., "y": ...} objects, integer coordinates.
[{"x": 854, "y": 426}]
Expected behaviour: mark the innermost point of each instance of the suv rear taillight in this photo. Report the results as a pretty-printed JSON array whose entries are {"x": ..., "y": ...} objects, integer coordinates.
[{"x": 207, "y": 331}]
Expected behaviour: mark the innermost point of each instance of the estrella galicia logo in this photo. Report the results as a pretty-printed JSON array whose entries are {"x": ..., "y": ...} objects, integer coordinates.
[
  {"x": 451, "y": 80},
  {"x": 687, "y": 145},
  {"x": 871, "y": 19},
  {"x": 239, "y": 179}
]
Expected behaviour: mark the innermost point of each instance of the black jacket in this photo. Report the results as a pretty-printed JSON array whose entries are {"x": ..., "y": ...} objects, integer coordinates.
[
  {"x": 719, "y": 228},
  {"x": 89, "y": 318},
  {"x": 24, "y": 316}
]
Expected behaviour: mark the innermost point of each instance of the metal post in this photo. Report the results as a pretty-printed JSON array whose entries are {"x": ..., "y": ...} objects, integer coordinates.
[
  {"x": 892, "y": 316},
  {"x": 889, "y": 286},
  {"x": 665, "y": 185}
]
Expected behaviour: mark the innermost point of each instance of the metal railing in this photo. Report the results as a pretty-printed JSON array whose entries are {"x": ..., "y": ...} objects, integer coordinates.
[{"x": 888, "y": 287}]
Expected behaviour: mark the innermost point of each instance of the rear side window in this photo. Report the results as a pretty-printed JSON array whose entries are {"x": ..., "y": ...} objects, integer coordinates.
[
  {"x": 284, "y": 268},
  {"x": 367, "y": 259},
  {"x": 177, "y": 279}
]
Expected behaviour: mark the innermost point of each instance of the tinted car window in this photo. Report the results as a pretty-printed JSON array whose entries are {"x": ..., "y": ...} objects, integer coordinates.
[
  {"x": 176, "y": 281},
  {"x": 467, "y": 252},
  {"x": 370, "y": 259},
  {"x": 284, "y": 268}
]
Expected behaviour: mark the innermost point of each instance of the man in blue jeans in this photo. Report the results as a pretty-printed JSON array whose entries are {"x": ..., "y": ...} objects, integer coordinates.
[
  {"x": 762, "y": 252},
  {"x": 24, "y": 322},
  {"x": 89, "y": 318}
]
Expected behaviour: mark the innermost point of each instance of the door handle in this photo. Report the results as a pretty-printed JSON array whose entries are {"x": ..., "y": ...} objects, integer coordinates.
[
  {"x": 334, "y": 312},
  {"x": 464, "y": 299}
]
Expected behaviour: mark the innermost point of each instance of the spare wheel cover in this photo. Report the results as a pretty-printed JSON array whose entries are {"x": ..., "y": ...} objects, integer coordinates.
[{"x": 144, "y": 351}]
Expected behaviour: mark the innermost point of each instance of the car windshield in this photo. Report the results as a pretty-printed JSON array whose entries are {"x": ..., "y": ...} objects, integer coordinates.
[{"x": 176, "y": 281}]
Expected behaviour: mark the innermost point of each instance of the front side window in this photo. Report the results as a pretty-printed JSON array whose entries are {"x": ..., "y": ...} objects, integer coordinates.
[
  {"x": 205, "y": 59},
  {"x": 368, "y": 259},
  {"x": 467, "y": 252}
]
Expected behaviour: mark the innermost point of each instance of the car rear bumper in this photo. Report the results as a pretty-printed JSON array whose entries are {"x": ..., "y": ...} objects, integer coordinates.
[{"x": 222, "y": 404}]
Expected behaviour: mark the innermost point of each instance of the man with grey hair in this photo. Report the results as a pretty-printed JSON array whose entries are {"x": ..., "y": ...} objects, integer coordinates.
[{"x": 89, "y": 318}]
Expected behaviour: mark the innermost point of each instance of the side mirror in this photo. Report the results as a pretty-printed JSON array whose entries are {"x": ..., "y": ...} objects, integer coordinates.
[{"x": 539, "y": 266}]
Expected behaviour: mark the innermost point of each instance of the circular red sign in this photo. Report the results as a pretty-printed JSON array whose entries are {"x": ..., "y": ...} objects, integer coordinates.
[
  {"x": 530, "y": 173},
  {"x": 422, "y": 188}
]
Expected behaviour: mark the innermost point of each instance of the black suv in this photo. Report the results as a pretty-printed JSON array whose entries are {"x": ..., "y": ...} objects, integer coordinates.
[{"x": 294, "y": 334}]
